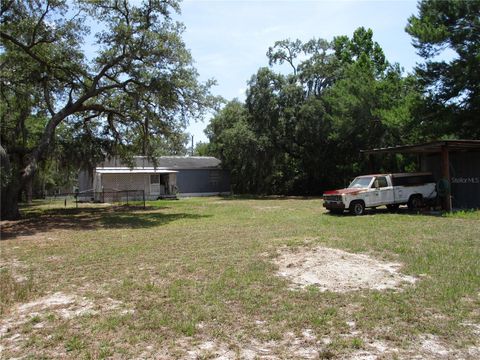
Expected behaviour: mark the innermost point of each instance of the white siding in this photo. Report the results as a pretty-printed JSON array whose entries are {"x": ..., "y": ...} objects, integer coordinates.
[
  {"x": 126, "y": 182},
  {"x": 118, "y": 182}
]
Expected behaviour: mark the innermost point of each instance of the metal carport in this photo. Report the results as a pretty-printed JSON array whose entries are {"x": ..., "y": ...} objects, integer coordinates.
[{"x": 455, "y": 161}]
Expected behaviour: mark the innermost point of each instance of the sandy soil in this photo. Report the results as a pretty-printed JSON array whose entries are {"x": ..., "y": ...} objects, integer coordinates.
[
  {"x": 308, "y": 346},
  {"x": 329, "y": 269},
  {"x": 64, "y": 306},
  {"x": 305, "y": 345},
  {"x": 338, "y": 271}
]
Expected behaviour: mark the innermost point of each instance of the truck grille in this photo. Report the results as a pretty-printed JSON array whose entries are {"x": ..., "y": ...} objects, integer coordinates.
[{"x": 333, "y": 197}]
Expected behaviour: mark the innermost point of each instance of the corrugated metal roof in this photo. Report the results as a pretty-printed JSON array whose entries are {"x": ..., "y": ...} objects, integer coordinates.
[
  {"x": 430, "y": 147},
  {"x": 397, "y": 174},
  {"x": 168, "y": 162},
  {"x": 189, "y": 162},
  {"x": 136, "y": 170}
]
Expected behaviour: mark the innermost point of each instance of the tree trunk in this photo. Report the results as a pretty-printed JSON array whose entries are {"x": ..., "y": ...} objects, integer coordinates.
[
  {"x": 12, "y": 184},
  {"x": 29, "y": 191},
  {"x": 9, "y": 189},
  {"x": 10, "y": 202}
]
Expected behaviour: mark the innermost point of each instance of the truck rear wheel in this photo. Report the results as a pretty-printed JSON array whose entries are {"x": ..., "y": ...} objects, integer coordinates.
[
  {"x": 415, "y": 202},
  {"x": 357, "y": 208}
]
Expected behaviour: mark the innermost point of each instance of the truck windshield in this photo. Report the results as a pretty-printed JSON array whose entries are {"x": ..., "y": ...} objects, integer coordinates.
[{"x": 361, "y": 182}]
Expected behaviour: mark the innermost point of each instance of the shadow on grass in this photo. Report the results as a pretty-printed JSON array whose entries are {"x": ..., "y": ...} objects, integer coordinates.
[
  {"x": 90, "y": 218},
  {"x": 267, "y": 197},
  {"x": 400, "y": 211}
]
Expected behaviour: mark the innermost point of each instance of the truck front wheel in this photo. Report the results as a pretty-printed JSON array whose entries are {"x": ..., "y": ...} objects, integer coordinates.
[{"x": 357, "y": 208}]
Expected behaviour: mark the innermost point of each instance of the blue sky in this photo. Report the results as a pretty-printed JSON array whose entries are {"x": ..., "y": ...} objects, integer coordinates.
[{"x": 229, "y": 39}]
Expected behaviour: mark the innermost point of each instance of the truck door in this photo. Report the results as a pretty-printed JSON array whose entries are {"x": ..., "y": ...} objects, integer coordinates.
[
  {"x": 383, "y": 193},
  {"x": 386, "y": 190}
]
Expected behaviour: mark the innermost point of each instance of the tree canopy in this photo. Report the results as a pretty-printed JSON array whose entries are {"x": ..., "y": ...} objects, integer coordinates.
[
  {"x": 139, "y": 82},
  {"x": 447, "y": 35}
]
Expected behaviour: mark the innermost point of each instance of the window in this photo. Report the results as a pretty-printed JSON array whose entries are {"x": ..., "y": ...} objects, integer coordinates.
[
  {"x": 361, "y": 182},
  {"x": 412, "y": 180},
  {"x": 155, "y": 179},
  {"x": 382, "y": 182}
]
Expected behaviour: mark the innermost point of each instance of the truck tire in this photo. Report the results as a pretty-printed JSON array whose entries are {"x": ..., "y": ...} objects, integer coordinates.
[
  {"x": 357, "y": 208},
  {"x": 415, "y": 202}
]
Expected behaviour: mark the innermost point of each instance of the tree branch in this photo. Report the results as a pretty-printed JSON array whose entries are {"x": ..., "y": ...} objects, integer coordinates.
[
  {"x": 25, "y": 48},
  {"x": 5, "y": 6},
  {"x": 35, "y": 29},
  {"x": 99, "y": 108},
  {"x": 46, "y": 95},
  {"x": 105, "y": 68}
]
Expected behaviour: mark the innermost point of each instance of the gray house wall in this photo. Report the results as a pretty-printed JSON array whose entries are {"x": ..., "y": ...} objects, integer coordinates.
[
  {"x": 203, "y": 181},
  {"x": 464, "y": 176},
  {"x": 85, "y": 180}
]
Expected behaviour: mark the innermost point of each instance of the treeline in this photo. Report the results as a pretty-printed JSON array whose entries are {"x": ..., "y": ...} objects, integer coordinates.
[{"x": 302, "y": 132}]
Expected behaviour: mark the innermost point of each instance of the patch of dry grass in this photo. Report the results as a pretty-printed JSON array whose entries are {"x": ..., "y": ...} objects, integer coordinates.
[{"x": 197, "y": 275}]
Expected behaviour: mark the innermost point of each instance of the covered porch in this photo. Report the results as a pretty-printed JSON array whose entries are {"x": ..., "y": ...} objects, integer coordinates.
[{"x": 154, "y": 183}]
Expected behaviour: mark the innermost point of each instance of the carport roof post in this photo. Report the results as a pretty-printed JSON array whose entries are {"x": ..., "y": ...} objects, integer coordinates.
[
  {"x": 444, "y": 147},
  {"x": 447, "y": 200}
]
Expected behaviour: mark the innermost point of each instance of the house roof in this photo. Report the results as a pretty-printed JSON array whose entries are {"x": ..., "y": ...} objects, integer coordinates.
[
  {"x": 165, "y": 162},
  {"x": 429, "y": 147},
  {"x": 135, "y": 170},
  {"x": 189, "y": 162},
  {"x": 397, "y": 175}
]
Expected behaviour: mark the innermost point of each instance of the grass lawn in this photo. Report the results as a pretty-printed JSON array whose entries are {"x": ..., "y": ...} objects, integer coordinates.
[{"x": 196, "y": 278}]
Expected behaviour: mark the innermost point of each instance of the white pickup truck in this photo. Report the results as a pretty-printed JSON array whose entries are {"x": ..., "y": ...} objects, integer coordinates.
[{"x": 392, "y": 190}]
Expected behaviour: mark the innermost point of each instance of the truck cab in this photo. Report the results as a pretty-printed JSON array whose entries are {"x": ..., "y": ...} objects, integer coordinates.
[{"x": 391, "y": 190}]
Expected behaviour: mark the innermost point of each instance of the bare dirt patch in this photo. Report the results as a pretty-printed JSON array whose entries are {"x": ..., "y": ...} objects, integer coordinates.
[
  {"x": 308, "y": 346},
  {"x": 290, "y": 346},
  {"x": 37, "y": 313},
  {"x": 266, "y": 208},
  {"x": 338, "y": 271},
  {"x": 63, "y": 305},
  {"x": 16, "y": 268},
  {"x": 426, "y": 347}
]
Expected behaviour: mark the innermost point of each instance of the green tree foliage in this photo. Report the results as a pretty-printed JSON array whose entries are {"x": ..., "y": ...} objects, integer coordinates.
[
  {"x": 301, "y": 132},
  {"x": 202, "y": 149},
  {"x": 452, "y": 86},
  {"x": 139, "y": 83},
  {"x": 233, "y": 140}
]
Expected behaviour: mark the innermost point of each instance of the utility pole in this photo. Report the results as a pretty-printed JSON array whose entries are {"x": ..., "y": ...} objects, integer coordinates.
[{"x": 192, "y": 146}]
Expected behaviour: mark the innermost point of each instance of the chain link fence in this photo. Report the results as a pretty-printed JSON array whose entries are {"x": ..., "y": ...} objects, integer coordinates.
[{"x": 86, "y": 198}]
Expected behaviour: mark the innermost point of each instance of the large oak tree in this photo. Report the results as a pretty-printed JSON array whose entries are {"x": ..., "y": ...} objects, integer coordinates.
[{"x": 137, "y": 80}]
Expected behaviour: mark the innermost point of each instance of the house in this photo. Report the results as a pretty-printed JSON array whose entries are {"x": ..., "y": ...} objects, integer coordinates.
[
  {"x": 169, "y": 176},
  {"x": 455, "y": 165}
]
